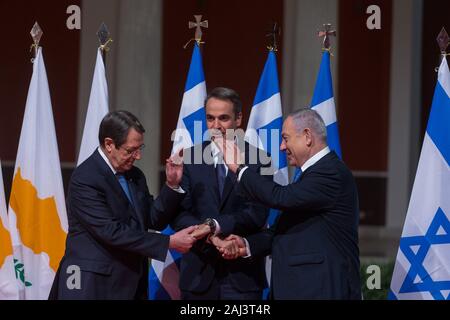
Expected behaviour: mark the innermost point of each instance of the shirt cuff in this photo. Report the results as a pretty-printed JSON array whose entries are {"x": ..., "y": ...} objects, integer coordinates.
[
  {"x": 217, "y": 231},
  {"x": 247, "y": 248},
  {"x": 240, "y": 173}
]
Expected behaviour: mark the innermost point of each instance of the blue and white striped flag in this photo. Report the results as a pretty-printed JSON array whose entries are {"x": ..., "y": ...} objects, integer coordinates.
[
  {"x": 191, "y": 126},
  {"x": 323, "y": 103},
  {"x": 422, "y": 268},
  {"x": 264, "y": 129}
]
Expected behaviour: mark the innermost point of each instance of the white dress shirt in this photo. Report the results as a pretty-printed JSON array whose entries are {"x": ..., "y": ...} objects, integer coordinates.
[{"x": 217, "y": 156}]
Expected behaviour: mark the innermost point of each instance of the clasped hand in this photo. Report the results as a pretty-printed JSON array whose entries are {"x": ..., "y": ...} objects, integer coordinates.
[{"x": 231, "y": 247}]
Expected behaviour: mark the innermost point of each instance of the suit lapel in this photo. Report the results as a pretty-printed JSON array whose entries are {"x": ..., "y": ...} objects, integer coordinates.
[
  {"x": 137, "y": 208},
  {"x": 114, "y": 184},
  {"x": 211, "y": 180},
  {"x": 209, "y": 173},
  {"x": 230, "y": 181},
  {"x": 110, "y": 178}
]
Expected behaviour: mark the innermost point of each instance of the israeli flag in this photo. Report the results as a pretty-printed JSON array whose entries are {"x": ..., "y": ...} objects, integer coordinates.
[
  {"x": 264, "y": 129},
  {"x": 323, "y": 103},
  {"x": 191, "y": 127},
  {"x": 422, "y": 268}
]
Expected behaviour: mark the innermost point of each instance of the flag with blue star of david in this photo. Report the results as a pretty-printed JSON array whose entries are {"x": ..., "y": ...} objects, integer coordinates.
[
  {"x": 191, "y": 127},
  {"x": 422, "y": 268}
]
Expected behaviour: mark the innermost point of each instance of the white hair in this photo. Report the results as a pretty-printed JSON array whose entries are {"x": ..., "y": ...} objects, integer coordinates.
[{"x": 308, "y": 118}]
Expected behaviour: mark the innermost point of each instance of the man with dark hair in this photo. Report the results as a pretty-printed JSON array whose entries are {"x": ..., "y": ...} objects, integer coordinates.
[
  {"x": 227, "y": 94},
  {"x": 110, "y": 211},
  {"x": 214, "y": 203}
]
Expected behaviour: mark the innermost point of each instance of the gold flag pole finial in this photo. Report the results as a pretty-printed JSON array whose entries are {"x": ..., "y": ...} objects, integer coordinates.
[
  {"x": 273, "y": 34},
  {"x": 36, "y": 33},
  {"x": 104, "y": 38},
  {"x": 198, "y": 25},
  {"x": 325, "y": 34}
]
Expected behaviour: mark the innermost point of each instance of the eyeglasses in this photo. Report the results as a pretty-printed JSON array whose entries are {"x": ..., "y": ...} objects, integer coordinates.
[{"x": 133, "y": 152}]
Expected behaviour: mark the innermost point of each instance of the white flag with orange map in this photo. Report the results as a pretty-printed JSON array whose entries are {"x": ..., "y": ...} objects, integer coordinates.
[
  {"x": 37, "y": 210},
  {"x": 8, "y": 283}
]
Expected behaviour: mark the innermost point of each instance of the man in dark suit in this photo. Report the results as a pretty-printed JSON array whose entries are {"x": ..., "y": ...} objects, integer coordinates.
[
  {"x": 314, "y": 243},
  {"x": 110, "y": 211},
  {"x": 214, "y": 203}
]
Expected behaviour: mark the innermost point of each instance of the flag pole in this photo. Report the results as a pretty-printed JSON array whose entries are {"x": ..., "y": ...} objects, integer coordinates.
[
  {"x": 36, "y": 33},
  {"x": 326, "y": 33},
  {"x": 274, "y": 33},
  {"x": 105, "y": 39}
]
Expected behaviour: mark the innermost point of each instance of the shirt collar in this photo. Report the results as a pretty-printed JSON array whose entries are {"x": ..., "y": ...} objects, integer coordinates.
[
  {"x": 312, "y": 161},
  {"x": 106, "y": 159},
  {"x": 217, "y": 155},
  {"x": 215, "y": 151}
]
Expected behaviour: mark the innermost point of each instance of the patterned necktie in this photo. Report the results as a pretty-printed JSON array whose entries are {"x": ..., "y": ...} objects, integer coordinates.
[
  {"x": 124, "y": 184},
  {"x": 221, "y": 175}
]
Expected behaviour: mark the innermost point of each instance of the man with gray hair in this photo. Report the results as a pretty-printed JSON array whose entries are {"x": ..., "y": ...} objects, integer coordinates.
[{"x": 314, "y": 242}]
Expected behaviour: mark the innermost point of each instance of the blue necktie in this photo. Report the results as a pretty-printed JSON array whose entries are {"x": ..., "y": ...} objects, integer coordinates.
[
  {"x": 124, "y": 184},
  {"x": 221, "y": 175},
  {"x": 298, "y": 173}
]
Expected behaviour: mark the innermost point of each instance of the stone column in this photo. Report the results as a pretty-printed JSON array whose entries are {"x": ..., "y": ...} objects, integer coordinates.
[
  {"x": 133, "y": 67},
  {"x": 404, "y": 115}
]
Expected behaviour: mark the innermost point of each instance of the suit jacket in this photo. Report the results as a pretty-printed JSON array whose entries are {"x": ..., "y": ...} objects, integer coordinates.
[
  {"x": 314, "y": 243},
  {"x": 108, "y": 238},
  {"x": 234, "y": 213}
]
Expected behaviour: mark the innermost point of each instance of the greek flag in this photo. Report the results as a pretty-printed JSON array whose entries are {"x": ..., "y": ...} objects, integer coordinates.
[
  {"x": 264, "y": 129},
  {"x": 323, "y": 103},
  {"x": 191, "y": 126},
  {"x": 422, "y": 268}
]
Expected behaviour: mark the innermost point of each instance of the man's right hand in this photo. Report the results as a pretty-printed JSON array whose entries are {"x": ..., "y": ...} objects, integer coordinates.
[
  {"x": 182, "y": 240},
  {"x": 202, "y": 231},
  {"x": 232, "y": 247}
]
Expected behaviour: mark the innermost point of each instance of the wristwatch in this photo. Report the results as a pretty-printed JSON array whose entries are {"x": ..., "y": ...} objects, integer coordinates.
[
  {"x": 239, "y": 168},
  {"x": 212, "y": 225}
]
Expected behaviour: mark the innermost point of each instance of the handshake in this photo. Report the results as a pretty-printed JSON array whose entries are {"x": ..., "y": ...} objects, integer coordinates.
[{"x": 231, "y": 247}]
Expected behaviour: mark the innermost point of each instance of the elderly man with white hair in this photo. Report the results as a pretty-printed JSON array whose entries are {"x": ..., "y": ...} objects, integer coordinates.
[{"x": 314, "y": 242}]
